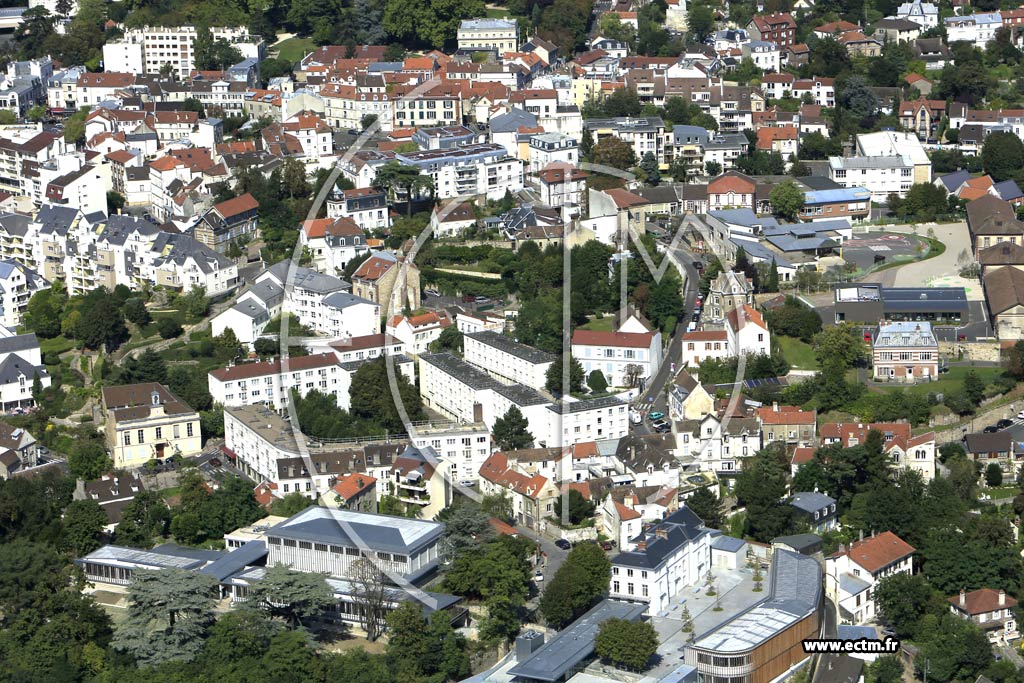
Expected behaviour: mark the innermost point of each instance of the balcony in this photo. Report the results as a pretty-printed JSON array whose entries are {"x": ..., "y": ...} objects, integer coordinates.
[{"x": 422, "y": 500}]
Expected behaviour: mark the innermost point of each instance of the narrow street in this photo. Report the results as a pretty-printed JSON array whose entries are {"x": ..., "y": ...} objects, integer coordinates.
[{"x": 654, "y": 397}]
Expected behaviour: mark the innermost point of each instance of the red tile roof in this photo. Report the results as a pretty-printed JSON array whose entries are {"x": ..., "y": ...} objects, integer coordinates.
[
  {"x": 982, "y": 600},
  {"x": 351, "y": 484},
  {"x": 496, "y": 470},
  {"x": 802, "y": 454},
  {"x": 369, "y": 341},
  {"x": 233, "y": 207},
  {"x": 625, "y": 198},
  {"x": 706, "y": 335},
  {"x": 786, "y": 415},
  {"x": 373, "y": 268},
  {"x": 635, "y": 340},
  {"x": 322, "y": 227},
  {"x": 750, "y": 317},
  {"x": 879, "y": 551},
  {"x": 626, "y": 513}
]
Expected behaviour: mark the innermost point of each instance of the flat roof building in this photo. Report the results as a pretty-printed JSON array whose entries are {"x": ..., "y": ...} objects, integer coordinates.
[{"x": 870, "y": 302}]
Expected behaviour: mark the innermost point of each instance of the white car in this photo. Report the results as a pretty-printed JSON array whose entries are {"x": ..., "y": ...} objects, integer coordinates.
[
  {"x": 1020, "y": 415},
  {"x": 538, "y": 577}
]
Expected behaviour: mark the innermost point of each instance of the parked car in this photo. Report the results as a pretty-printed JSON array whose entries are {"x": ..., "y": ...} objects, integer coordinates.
[
  {"x": 691, "y": 327},
  {"x": 481, "y": 299},
  {"x": 467, "y": 483},
  {"x": 1020, "y": 415},
  {"x": 661, "y": 426},
  {"x": 215, "y": 462},
  {"x": 607, "y": 545},
  {"x": 563, "y": 544},
  {"x": 1003, "y": 424},
  {"x": 991, "y": 429},
  {"x": 655, "y": 416},
  {"x": 431, "y": 292},
  {"x": 699, "y": 265},
  {"x": 538, "y": 577},
  {"x": 696, "y": 316}
]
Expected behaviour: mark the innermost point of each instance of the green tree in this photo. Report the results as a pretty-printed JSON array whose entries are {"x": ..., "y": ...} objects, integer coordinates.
[
  {"x": 511, "y": 430},
  {"x": 292, "y": 504},
  {"x": 631, "y": 644},
  {"x": 787, "y": 199},
  {"x": 706, "y": 505},
  {"x": 761, "y": 487},
  {"x": 597, "y": 383},
  {"x": 955, "y": 648},
  {"x": 466, "y": 526},
  {"x": 169, "y": 327},
  {"x": 839, "y": 347},
  {"x": 370, "y": 402},
  {"x": 577, "y": 510},
  {"x": 1002, "y": 155},
  {"x": 142, "y": 519},
  {"x": 747, "y": 71},
  {"x": 993, "y": 475},
  {"x": 502, "y": 622},
  {"x": 367, "y": 121},
  {"x": 578, "y": 584},
  {"x": 973, "y": 387},
  {"x": 701, "y": 21},
  {"x": 291, "y": 595},
  {"x": 430, "y": 23},
  {"x": 885, "y": 669},
  {"x": 135, "y": 312},
  {"x": 649, "y": 165},
  {"x": 613, "y": 152},
  {"x": 44, "y": 311},
  {"x": 83, "y": 526},
  {"x": 449, "y": 340},
  {"x": 169, "y": 612},
  {"x": 903, "y": 600},
  {"x": 498, "y": 505},
  {"x": 115, "y": 202},
  {"x": 195, "y": 303},
  {"x": 88, "y": 460},
  {"x": 553, "y": 379}
]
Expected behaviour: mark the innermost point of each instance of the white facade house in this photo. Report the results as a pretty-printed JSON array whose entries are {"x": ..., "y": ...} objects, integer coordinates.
[
  {"x": 625, "y": 357},
  {"x": 332, "y": 242},
  {"x": 419, "y": 331},
  {"x": 663, "y": 561},
  {"x": 17, "y": 285},
  {"x": 20, "y": 363},
  {"x": 766, "y": 55},
  {"x": 718, "y": 445},
  {"x": 924, "y": 14},
  {"x": 507, "y": 360},
  {"x": 500, "y": 35},
  {"x": 367, "y": 206},
  {"x": 547, "y": 149},
  {"x": 977, "y": 29},
  {"x": 857, "y": 570},
  {"x": 743, "y": 332},
  {"x": 595, "y": 419},
  {"x": 881, "y": 176}
]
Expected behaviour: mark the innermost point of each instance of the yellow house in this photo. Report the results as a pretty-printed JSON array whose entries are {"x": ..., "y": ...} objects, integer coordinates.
[{"x": 145, "y": 422}]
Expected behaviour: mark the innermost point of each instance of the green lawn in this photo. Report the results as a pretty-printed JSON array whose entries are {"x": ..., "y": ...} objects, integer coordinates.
[
  {"x": 604, "y": 324},
  {"x": 496, "y": 13},
  {"x": 294, "y": 49},
  {"x": 798, "y": 354},
  {"x": 953, "y": 380},
  {"x": 57, "y": 345}
]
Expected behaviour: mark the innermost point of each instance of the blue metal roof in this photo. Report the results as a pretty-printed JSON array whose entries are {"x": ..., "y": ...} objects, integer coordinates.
[
  {"x": 235, "y": 560},
  {"x": 846, "y": 194}
]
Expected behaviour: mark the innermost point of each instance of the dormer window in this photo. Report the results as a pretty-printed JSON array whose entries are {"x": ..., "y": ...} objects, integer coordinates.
[{"x": 155, "y": 397}]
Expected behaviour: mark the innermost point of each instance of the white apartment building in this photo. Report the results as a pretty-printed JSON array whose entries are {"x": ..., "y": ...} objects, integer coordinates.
[
  {"x": 25, "y": 146},
  {"x": 483, "y": 169},
  {"x": 642, "y": 134},
  {"x": 743, "y": 332},
  {"x": 856, "y": 572},
  {"x": 500, "y": 35},
  {"x": 145, "y": 50},
  {"x": 668, "y": 558},
  {"x": 364, "y": 347},
  {"x": 595, "y": 419},
  {"x": 507, "y": 360},
  {"x": 625, "y": 357},
  {"x": 881, "y": 176},
  {"x": 454, "y": 388},
  {"x": 461, "y": 448},
  {"x": 271, "y": 382}
]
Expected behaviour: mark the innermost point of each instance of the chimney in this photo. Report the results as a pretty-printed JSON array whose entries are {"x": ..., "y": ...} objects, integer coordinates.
[
  {"x": 661, "y": 533},
  {"x": 963, "y": 597},
  {"x": 1002, "y": 598},
  {"x": 641, "y": 546},
  {"x": 775, "y": 406},
  {"x": 861, "y": 535}
]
